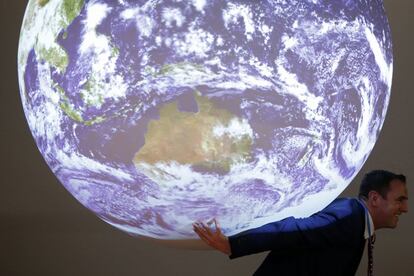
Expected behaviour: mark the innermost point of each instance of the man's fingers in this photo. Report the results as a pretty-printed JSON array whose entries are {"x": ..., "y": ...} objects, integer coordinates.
[
  {"x": 205, "y": 228},
  {"x": 206, "y": 231},
  {"x": 203, "y": 235},
  {"x": 200, "y": 229},
  {"x": 197, "y": 228},
  {"x": 215, "y": 240}
]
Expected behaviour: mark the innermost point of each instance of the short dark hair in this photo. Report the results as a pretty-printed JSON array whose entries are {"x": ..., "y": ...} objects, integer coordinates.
[{"x": 379, "y": 181}]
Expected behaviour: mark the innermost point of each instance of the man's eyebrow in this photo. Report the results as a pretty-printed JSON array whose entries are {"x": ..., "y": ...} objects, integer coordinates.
[{"x": 402, "y": 198}]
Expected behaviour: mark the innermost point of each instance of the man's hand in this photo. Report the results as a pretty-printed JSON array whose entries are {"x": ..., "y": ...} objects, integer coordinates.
[{"x": 214, "y": 239}]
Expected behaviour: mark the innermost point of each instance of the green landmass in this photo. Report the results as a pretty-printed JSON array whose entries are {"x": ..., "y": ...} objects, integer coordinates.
[
  {"x": 69, "y": 109},
  {"x": 72, "y": 113},
  {"x": 55, "y": 56},
  {"x": 71, "y": 9},
  {"x": 42, "y": 3},
  {"x": 96, "y": 120},
  {"x": 188, "y": 138},
  {"x": 90, "y": 93},
  {"x": 114, "y": 51},
  {"x": 185, "y": 66},
  {"x": 170, "y": 69}
]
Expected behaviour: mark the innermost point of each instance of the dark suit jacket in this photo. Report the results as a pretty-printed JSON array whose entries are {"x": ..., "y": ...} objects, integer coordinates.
[{"x": 330, "y": 242}]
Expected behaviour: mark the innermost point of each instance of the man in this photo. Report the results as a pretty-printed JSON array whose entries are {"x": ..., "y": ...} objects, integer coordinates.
[{"x": 330, "y": 242}]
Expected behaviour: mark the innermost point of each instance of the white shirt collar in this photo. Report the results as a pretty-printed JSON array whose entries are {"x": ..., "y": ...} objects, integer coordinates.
[{"x": 368, "y": 219}]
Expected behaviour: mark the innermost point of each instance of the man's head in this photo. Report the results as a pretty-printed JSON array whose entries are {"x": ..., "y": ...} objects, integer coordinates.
[{"x": 386, "y": 196}]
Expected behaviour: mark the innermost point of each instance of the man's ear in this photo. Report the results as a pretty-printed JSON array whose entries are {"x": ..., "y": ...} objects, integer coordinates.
[{"x": 373, "y": 198}]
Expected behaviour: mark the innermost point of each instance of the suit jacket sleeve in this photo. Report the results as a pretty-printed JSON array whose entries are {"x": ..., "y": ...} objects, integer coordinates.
[{"x": 340, "y": 224}]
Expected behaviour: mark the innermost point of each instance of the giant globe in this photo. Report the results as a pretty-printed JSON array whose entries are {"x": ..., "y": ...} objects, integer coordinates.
[{"x": 156, "y": 114}]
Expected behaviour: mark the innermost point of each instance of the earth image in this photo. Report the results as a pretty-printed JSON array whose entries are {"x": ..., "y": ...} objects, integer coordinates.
[{"x": 155, "y": 114}]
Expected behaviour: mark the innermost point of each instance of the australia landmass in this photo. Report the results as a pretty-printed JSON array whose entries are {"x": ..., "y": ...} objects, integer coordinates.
[{"x": 211, "y": 138}]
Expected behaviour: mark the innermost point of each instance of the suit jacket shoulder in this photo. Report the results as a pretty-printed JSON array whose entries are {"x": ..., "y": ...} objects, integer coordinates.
[{"x": 341, "y": 224}]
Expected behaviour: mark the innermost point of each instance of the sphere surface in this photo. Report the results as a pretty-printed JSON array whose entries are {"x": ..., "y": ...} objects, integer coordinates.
[{"x": 155, "y": 114}]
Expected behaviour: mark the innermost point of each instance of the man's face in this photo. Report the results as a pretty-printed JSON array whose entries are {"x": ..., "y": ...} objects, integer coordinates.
[{"x": 393, "y": 205}]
